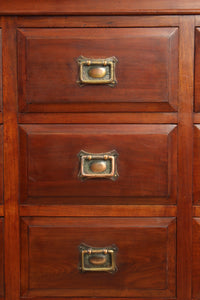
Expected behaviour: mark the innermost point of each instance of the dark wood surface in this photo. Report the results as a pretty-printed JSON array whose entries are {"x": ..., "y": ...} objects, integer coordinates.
[
  {"x": 146, "y": 72},
  {"x": 53, "y": 7},
  {"x": 158, "y": 138},
  {"x": 50, "y": 255},
  {"x": 49, "y": 165}
]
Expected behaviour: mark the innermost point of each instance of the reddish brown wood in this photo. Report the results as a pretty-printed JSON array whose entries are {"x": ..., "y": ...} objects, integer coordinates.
[
  {"x": 197, "y": 66},
  {"x": 103, "y": 7},
  {"x": 196, "y": 258},
  {"x": 50, "y": 256},
  {"x": 50, "y": 166},
  {"x": 11, "y": 175},
  {"x": 1, "y": 257},
  {"x": 101, "y": 21},
  {"x": 147, "y": 68},
  {"x": 99, "y": 210},
  {"x": 1, "y": 73},
  {"x": 95, "y": 118},
  {"x": 1, "y": 164},
  {"x": 185, "y": 154}
]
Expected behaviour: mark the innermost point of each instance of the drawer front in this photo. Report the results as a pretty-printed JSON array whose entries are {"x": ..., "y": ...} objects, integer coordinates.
[
  {"x": 146, "y": 164},
  {"x": 146, "y": 71},
  {"x": 51, "y": 259}
]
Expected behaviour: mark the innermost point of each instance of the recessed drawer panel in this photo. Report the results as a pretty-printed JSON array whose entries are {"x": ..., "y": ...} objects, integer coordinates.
[
  {"x": 54, "y": 169},
  {"x": 52, "y": 260},
  {"x": 145, "y": 71}
]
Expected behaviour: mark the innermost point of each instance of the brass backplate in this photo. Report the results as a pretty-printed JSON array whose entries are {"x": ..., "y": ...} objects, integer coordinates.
[
  {"x": 99, "y": 165},
  {"x": 97, "y": 71},
  {"x": 98, "y": 259}
]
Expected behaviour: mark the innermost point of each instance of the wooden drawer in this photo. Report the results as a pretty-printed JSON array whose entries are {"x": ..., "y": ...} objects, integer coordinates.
[
  {"x": 146, "y": 72},
  {"x": 146, "y": 164},
  {"x": 51, "y": 259}
]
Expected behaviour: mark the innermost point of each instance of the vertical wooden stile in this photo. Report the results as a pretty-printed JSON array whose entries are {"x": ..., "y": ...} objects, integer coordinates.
[
  {"x": 11, "y": 177},
  {"x": 185, "y": 154}
]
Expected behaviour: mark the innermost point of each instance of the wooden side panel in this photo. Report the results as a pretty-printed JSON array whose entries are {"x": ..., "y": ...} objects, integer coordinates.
[
  {"x": 147, "y": 68},
  {"x": 50, "y": 257},
  {"x": 146, "y": 164}
]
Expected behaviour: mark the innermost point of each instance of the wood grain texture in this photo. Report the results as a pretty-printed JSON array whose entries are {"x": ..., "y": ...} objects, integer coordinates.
[
  {"x": 11, "y": 174},
  {"x": 98, "y": 118},
  {"x": 196, "y": 259},
  {"x": 100, "y": 21},
  {"x": 1, "y": 164},
  {"x": 2, "y": 283},
  {"x": 49, "y": 165},
  {"x": 196, "y": 174},
  {"x": 146, "y": 72},
  {"x": 185, "y": 156},
  {"x": 1, "y": 71},
  {"x": 50, "y": 256},
  {"x": 100, "y": 7},
  {"x": 98, "y": 210}
]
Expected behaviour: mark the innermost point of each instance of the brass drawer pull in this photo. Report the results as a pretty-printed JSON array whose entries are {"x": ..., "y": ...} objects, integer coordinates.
[
  {"x": 97, "y": 71},
  {"x": 98, "y": 259},
  {"x": 100, "y": 165}
]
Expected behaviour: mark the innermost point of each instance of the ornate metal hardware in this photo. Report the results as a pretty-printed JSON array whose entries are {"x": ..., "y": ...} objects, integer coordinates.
[
  {"x": 100, "y": 165},
  {"x": 98, "y": 259},
  {"x": 97, "y": 71}
]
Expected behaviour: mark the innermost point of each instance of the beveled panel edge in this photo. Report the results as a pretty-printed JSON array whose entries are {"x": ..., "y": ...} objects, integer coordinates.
[
  {"x": 106, "y": 118},
  {"x": 99, "y": 210},
  {"x": 169, "y": 105}
]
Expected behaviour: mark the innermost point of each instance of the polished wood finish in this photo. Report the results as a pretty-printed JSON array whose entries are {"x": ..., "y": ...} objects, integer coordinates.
[
  {"x": 168, "y": 130},
  {"x": 1, "y": 257},
  {"x": 98, "y": 118},
  {"x": 49, "y": 165},
  {"x": 146, "y": 72},
  {"x": 11, "y": 169},
  {"x": 1, "y": 164},
  {"x": 50, "y": 257},
  {"x": 185, "y": 154},
  {"x": 99, "y": 210},
  {"x": 1, "y": 73},
  {"x": 196, "y": 258},
  {"x": 102, "y": 7}
]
